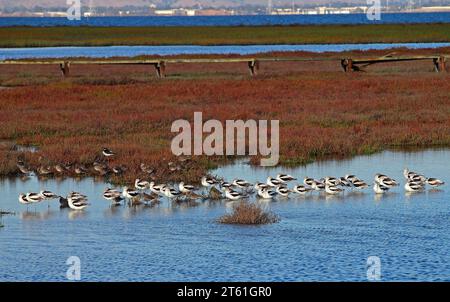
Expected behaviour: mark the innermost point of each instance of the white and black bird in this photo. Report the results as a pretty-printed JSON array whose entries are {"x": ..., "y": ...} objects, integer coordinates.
[
  {"x": 77, "y": 203},
  {"x": 273, "y": 182},
  {"x": 333, "y": 190},
  {"x": 285, "y": 178},
  {"x": 283, "y": 191},
  {"x": 130, "y": 193},
  {"x": 379, "y": 189},
  {"x": 48, "y": 195},
  {"x": 157, "y": 189},
  {"x": 108, "y": 152},
  {"x": 208, "y": 181},
  {"x": 185, "y": 189},
  {"x": 241, "y": 183},
  {"x": 332, "y": 181},
  {"x": 434, "y": 182},
  {"x": 141, "y": 184},
  {"x": 301, "y": 189},
  {"x": 266, "y": 193},
  {"x": 308, "y": 181},
  {"x": 414, "y": 187},
  {"x": 233, "y": 195},
  {"x": 360, "y": 184},
  {"x": 170, "y": 192}
]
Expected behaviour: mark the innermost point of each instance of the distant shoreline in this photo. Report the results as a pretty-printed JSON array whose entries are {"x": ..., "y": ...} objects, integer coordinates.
[{"x": 22, "y": 36}]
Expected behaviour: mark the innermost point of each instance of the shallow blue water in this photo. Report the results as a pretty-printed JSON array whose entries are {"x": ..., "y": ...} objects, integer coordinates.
[
  {"x": 318, "y": 238},
  {"x": 130, "y": 51},
  {"x": 228, "y": 20}
]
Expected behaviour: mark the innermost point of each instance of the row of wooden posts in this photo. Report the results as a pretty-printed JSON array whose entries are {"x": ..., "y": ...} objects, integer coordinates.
[{"x": 347, "y": 64}]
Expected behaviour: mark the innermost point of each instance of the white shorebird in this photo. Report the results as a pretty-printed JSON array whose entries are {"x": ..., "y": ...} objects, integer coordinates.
[
  {"x": 434, "y": 182},
  {"x": 77, "y": 203},
  {"x": 283, "y": 191},
  {"x": 241, "y": 183},
  {"x": 285, "y": 178},
  {"x": 185, "y": 189},
  {"x": 379, "y": 189},
  {"x": 351, "y": 178},
  {"x": 233, "y": 195},
  {"x": 318, "y": 185},
  {"x": 273, "y": 182},
  {"x": 333, "y": 190},
  {"x": 266, "y": 193},
  {"x": 360, "y": 184},
  {"x": 260, "y": 185},
  {"x": 170, "y": 192},
  {"x": 157, "y": 189},
  {"x": 414, "y": 187},
  {"x": 309, "y": 181},
  {"x": 344, "y": 182},
  {"x": 413, "y": 176},
  {"x": 112, "y": 195},
  {"x": 332, "y": 181},
  {"x": 141, "y": 184},
  {"x": 385, "y": 180},
  {"x": 107, "y": 152},
  {"x": 301, "y": 189},
  {"x": 34, "y": 197},
  {"x": 129, "y": 193},
  {"x": 225, "y": 185},
  {"x": 48, "y": 195},
  {"x": 208, "y": 181}
]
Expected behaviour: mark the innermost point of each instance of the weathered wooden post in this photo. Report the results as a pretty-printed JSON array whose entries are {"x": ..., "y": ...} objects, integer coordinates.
[
  {"x": 253, "y": 65},
  {"x": 347, "y": 65},
  {"x": 439, "y": 64},
  {"x": 65, "y": 68},
  {"x": 160, "y": 69}
]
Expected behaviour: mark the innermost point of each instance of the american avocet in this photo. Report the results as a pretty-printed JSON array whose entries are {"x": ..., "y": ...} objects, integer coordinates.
[
  {"x": 48, "y": 195},
  {"x": 333, "y": 190},
  {"x": 385, "y": 180},
  {"x": 34, "y": 197},
  {"x": 360, "y": 184},
  {"x": 283, "y": 191},
  {"x": 112, "y": 195},
  {"x": 77, "y": 203},
  {"x": 332, "y": 181},
  {"x": 414, "y": 187},
  {"x": 266, "y": 193},
  {"x": 233, "y": 195},
  {"x": 308, "y": 181},
  {"x": 185, "y": 189},
  {"x": 273, "y": 182},
  {"x": 24, "y": 200},
  {"x": 379, "y": 189},
  {"x": 146, "y": 169},
  {"x": 301, "y": 189},
  {"x": 285, "y": 177},
  {"x": 260, "y": 185},
  {"x": 224, "y": 185},
  {"x": 318, "y": 185},
  {"x": 170, "y": 192},
  {"x": 434, "y": 182},
  {"x": 208, "y": 181},
  {"x": 157, "y": 189},
  {"x": 129, "y": 193},
  {"x": 413, "y": 176},
  {"x": 242, "y": 184},
  {"x": 141, "y": 184},
  {"x": 76, "y": 195},
  {"x": 344, "y": 182},
  {"x": 107, "y": 152},
  {"x": 351, "y": 178}
]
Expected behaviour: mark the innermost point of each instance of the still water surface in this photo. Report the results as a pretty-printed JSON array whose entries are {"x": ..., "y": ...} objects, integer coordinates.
[
  {"x": 131, "y": 51},
  {"x": 318, "y": 238}
]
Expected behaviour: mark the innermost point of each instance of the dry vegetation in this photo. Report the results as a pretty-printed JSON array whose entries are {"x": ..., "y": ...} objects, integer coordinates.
[
  {"x": 220, "y": 35},
  {"x": 249, "y": 214},
  {"x": 323, "y": 112}
]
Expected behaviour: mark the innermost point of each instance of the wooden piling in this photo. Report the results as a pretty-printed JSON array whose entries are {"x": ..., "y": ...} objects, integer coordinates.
[
  {"x": 439, "y": 64},
  {"x": 160, "y": 69},
  {"x": 253, "y": 66},
  {"x": 65, "y": 68}
]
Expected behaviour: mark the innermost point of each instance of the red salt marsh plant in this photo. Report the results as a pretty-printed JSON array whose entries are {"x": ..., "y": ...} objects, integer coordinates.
[
  {"x": 246, "y": 213},
  {"x": 325, "y": 113}
]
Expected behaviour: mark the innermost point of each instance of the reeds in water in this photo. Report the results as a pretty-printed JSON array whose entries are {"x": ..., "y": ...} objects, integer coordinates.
[{"x": 246, "y": 213}]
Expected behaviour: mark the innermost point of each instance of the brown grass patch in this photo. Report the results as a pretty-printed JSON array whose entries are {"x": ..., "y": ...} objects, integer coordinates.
[{"x": 249, "y": 214}]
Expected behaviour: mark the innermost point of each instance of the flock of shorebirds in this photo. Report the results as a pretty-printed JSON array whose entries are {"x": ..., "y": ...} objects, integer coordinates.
[{"x": 150, "y": 193}]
